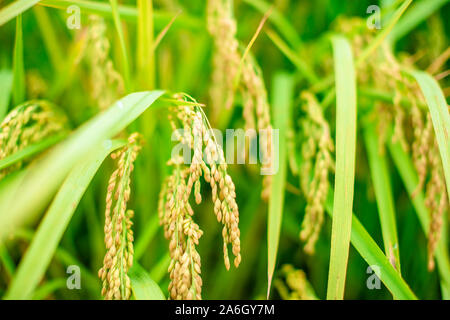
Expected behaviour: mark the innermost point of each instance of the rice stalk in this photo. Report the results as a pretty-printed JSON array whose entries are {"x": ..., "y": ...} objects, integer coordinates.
[
  {"x": 145, "y": 45},
  {"x": 14, "y": 9},
  {"x": 18, "y": 89},
  {"x": 123, "y": 47},
  {"x": 6, "y": 81}
]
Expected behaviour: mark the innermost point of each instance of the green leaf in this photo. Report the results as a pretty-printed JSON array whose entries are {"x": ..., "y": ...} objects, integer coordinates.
[
  {"x": 50, "y": 38},
  {"x": 123, "y": 47},
  {"x": 279, "y": 21},
  {"x": 419, "y": 12},
  {"x": 6, "y": 81},
  {"x": 145, "y": 48},
  {"x": 345, "y": 79},
  {"x": 36, "y": 185},
  {"x": 48, "y": 288},
  {"x": 128, "y": 13},
  {"x": 283, "y": 91},
  {"x": 18, "y": 90},
  {"x": 41, "y": 250},
  {"x": 144, "y": 288},
  {"x": 293, "y": 57},
  {"x": 31, "y": 150},
  {"x": 373, "y": 255},
  {"x": 62, "y": 256},
  {"x": 15, "y": 9},
  {"x": 440, "y": 117},
  {"x": 147, "y": 235},
  {"x": 383, "y": 192},
  {"x": 375, "y": 43}
]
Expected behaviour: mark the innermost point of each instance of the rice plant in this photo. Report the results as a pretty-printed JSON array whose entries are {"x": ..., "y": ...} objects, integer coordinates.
[{"x": 224, "y": 149}]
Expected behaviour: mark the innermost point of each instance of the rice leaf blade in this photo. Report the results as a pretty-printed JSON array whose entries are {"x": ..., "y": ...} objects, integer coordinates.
[
  {"x": 18, "y": 93},
  {"x": 440, "y": 117},
  {"x": 345, "y": 79},
  {"x": 383, "y": 193},
  {"x": 293, "y": 57},
  {"x": 6, "y": 81},
  {"x": 372, "y": 254},
  {"x": 31, "y": 150},
  {"x": 126, "y": 12},
  {"x": 383, "y": 34},
  {"x": 51, "y": 42},
  {"x": 123, "y": 47},
  {"x": 145, "y": 48},
  {"x": 418, "y": 12},
  {"x": 56, "y": 164},
  {"x": 50, "y": 231},
  {"x": 143, "y": 286},
  {"x": 14, "y": 9},
  {"x": 283, "y": 89},
  {"x": 278, "y": 20}
]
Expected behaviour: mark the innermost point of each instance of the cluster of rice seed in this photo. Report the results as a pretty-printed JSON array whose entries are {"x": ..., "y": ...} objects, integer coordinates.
[
  {"x": 118, "y": 223},
  {"x": 297, "y": 286},
  {"x": 425, "y": 153},
  {"x": 227, "y": 60},
  {"x": 436, "y": 201},
  {"x": 316, "y": 152},
  {"x": 385, "y": 72},
  {"x": 106, "y": 83},
  {"x": 222, "y": 26},
  {"x": 176, "y": 213},
  {"x": 256, "y": 110},
  {"x": 26, "y": 124}
]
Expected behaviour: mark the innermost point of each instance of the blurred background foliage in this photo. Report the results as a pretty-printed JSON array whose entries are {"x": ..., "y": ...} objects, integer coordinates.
[{"x": 183, "y": 64}]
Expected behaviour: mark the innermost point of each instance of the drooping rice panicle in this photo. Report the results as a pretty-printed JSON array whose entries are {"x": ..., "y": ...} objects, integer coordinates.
[
  {"x": 175, "y": 211},
  {"x": 436, "y": 201},
  {"x": 118, "y": 225},
  {"x": 296, "y": 286},
  {"x": 106, "y": 83},
  {"x": 257, "y": 115},
  {"x": 26, "y": 124},
  {"x": 222, "y": 27},
  {"x": 316, "y": 151},
  {"x": 228, "y": 58}
]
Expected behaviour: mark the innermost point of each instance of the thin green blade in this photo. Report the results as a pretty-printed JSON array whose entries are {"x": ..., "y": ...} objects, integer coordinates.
[
  {"x": 345, "y": 79},
  {"x": 42, "y": 248}
]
